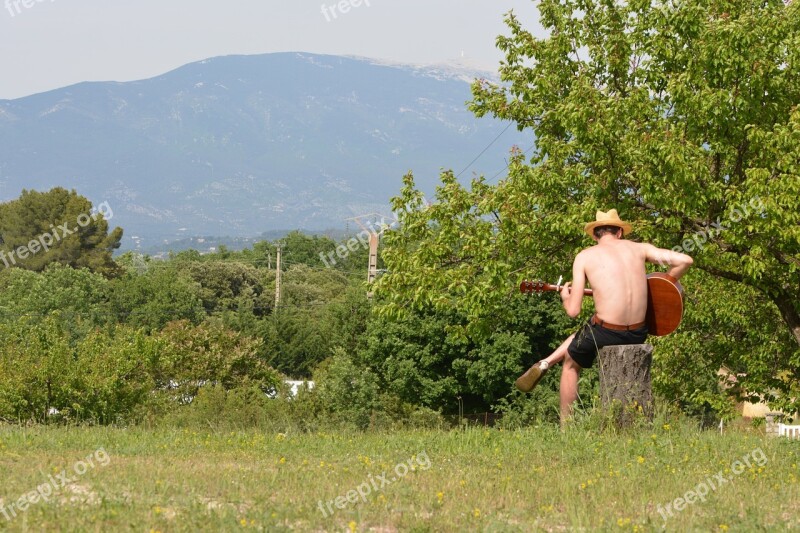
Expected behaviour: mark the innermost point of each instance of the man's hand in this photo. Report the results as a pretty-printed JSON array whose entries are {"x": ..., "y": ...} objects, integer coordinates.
[{"x": 565, "y": 291}]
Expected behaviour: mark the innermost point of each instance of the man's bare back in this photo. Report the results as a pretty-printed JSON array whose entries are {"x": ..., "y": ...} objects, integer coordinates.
[
  {"x": 615, "y": 269},
  {"x": 616, "y": 274}
]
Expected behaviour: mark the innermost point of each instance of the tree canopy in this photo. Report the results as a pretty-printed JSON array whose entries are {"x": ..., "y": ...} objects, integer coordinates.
[
  {"x": 58, "y": 226},
  {"x": 682, "y": 115}
]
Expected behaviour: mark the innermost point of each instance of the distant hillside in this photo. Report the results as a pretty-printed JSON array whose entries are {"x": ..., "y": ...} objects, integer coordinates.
[{"x": 241, "y": 145}]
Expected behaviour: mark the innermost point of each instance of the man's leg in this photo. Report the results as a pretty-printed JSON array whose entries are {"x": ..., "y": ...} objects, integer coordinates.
[
  {"x": 558, "y": 355},
  {"x": 527, "y": 381},
  {"x": 570, "y": 373}
]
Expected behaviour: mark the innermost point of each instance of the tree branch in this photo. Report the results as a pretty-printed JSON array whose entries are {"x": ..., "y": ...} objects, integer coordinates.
[{"x": 733, "y": 276}]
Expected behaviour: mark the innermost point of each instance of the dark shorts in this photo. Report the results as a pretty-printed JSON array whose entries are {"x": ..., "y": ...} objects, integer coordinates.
[{"x": 590, "y": 338}]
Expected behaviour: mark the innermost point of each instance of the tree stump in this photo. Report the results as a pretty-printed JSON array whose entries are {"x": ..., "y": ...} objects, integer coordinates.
[{"x": 625, "y": 390}]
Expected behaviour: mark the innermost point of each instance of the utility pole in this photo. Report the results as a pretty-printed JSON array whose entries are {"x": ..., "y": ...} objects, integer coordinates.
[
  {"x": 372, "y": 271},
  {"x": 373, "y": 235},
  {"x": 278, "y": 279}
]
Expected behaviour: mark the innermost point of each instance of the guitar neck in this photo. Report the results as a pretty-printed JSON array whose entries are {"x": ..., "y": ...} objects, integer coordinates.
[
  {"x": 557, "y": 288},
  {"x": 538, "y": 286}
]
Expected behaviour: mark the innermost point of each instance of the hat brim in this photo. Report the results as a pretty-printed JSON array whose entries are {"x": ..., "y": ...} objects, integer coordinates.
[{"x": 589, "y": 228}]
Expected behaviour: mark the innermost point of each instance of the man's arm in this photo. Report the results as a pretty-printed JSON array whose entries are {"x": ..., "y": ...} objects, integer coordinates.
[
  {"x": 679, "y": 263},
  {"x": 572, "y": 293}
]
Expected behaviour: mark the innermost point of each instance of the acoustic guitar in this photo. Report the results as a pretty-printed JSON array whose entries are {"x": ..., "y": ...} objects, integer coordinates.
[{"x": 664, "y": 301}]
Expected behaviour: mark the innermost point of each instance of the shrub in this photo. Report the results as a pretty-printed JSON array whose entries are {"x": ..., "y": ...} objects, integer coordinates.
[
  {"x": 209, "y": 354},
  {"x": 43, "y": 375}
]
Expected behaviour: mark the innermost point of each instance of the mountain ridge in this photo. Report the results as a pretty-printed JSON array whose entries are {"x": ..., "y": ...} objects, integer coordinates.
[{"x": 239, "y": 145}]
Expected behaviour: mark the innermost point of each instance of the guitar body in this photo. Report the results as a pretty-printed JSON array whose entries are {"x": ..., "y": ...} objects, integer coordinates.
[
  {"x": 664, "y": 304},
  {"x": 664, "y": 301}
]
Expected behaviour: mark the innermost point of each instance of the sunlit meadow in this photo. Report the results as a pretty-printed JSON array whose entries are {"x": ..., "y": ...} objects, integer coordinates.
[{"x": 535, "y": 479}]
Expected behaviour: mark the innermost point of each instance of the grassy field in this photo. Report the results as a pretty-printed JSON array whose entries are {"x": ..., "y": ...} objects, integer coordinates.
[{"x": 111, "y": 479}]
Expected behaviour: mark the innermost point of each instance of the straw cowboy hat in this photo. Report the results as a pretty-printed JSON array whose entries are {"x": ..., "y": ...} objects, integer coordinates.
[{"x": 607, "y": 219}]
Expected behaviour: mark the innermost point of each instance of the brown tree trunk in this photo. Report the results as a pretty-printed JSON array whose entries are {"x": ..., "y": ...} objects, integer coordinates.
[
  {"x": 625, "y": 390},
  {"x": 789, "y": 314}
]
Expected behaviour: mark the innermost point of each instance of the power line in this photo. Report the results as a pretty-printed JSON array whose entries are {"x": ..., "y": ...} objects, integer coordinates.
[
  {"x": 484, "y": 150},
  {"x": 508, "y": 165}
]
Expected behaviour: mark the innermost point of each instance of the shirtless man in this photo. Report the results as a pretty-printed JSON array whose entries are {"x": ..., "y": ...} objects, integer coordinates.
[{"x": 615, "y": 269}]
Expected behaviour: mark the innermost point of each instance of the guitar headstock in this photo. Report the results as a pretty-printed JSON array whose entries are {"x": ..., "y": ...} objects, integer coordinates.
[{"x": 528, "y": 287}]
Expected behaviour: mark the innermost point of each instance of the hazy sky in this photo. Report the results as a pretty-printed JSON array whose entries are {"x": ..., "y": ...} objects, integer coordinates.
[{"x": 53, "y": 43}]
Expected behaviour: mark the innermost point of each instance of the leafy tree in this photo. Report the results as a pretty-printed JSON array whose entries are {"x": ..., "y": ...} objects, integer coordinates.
[
  {"x": 682, "y": 115},
  {"x": 310, "y": 288},
  {"x": 743, "y": 335},
  {"x": 297, "y": 340},
  {"x": 346, "y": 391},
  {"x": 301, "y": 332},
  {"x": 71, "y": 292},
  {"x": 209, "y": 354},
  {"x": 57, "y": 226},
  {"x": 299, "y": 248},
  {"x": 415, "y": 357},
  {"x": 163, "y": 293},
  {"x": 45, "y": 374},
  {"x": 230, "y": 286},
  {"x": 348, "y": 318},
  {"x": 425, "y": 361}
]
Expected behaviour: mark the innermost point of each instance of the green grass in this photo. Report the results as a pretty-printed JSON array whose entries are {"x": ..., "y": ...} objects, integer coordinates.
[{"x": 477, "y": 480}]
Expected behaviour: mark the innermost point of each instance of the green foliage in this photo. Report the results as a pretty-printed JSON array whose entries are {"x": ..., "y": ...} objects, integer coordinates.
[
  {"x": 102, "y": 378},
  {"x": 741, "y": 335},
  {"x": 32, "y": 237},
  {"x": 348, "y": 319},
  {"x": 227, "y": 410},
  {"x": 682, "y": 115},
  {"x": 300, "y": 249},
  {"x": 230, "y": 286},
  {"x": 414, "y": 358},
  {"x": 163, "y": 293},
  {"x": 299, "y": 333},
  {"x": 111, "y": 375},
  {"x": 297, "y": 341},
  {"x": 424, "y": 359},
  {"x": 209, "y": 353},
  {"x": 348, "y": 392},
  {"x": 72, "y": 292}
]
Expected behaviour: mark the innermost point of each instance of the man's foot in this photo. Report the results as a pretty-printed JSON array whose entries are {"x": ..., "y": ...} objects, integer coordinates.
[{"x": 527, "y": 381}]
